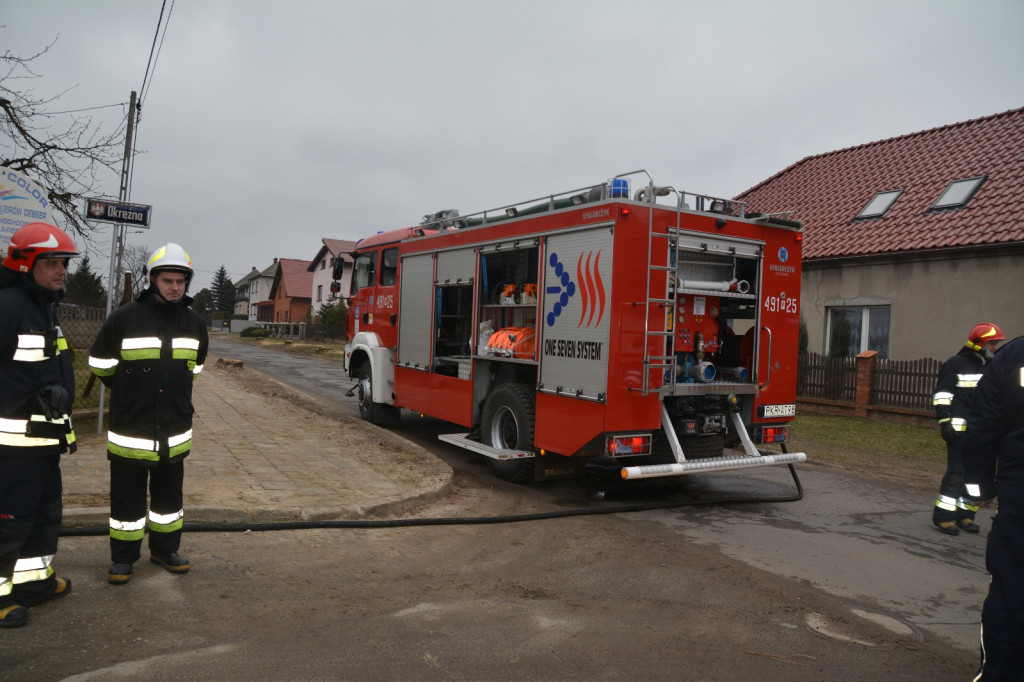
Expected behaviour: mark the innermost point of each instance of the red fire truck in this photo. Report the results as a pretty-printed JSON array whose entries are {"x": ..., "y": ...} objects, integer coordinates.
[{"x": 658, "y": 328}]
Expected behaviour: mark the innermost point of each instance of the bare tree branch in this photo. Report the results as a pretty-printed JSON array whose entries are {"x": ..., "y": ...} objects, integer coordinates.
[{"x": 65, "y": 150}]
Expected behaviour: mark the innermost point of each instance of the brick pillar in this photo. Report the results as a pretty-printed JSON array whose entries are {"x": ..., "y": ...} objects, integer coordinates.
[{"x": 867, "y": 365}]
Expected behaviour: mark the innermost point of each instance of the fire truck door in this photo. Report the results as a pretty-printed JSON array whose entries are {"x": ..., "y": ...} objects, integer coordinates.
[{"x": 417, "y": 287}]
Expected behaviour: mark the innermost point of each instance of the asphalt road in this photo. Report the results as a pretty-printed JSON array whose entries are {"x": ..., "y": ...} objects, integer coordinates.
[
  {"x": 850, "y": 582},
  {"x": 859, "y": 538}
]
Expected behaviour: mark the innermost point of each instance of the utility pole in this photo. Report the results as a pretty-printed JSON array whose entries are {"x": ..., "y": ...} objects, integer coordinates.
[{"x": 118, "y": 233}]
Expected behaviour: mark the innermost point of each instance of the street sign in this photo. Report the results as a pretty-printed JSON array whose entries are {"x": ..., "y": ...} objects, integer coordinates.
[{"x": 136, "y": 215}]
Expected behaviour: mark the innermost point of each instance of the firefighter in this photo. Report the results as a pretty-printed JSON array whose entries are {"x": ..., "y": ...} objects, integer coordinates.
[
  {"x": 957, "y": 379},
  {"x": 37, "y": 385},
  {"x": 995, "y": 442},
  {"x": 149, "y": 352}
]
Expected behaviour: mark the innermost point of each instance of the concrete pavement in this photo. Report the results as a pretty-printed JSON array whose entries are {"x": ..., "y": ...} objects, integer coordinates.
[{"x": 262, "y": 452}]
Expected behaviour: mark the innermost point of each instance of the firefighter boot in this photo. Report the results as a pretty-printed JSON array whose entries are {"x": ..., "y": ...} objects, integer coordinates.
[
  {"x": 119, "y": 574},
  {"x": 969, "y": 525},
  {"x": 947, "y": 527},
  {"x": 61, "y": 587},
  {"x": 173, "y": 562},
  {"x": 13, "y": 616}
]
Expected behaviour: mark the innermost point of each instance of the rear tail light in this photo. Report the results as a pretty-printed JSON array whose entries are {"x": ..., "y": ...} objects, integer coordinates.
[
  {"x": 636, "y": 444},
  {"x": 772, "y": 434}
]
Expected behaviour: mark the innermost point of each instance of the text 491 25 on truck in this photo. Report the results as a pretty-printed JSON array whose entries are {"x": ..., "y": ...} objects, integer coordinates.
[{"x": 656, "y": 328}]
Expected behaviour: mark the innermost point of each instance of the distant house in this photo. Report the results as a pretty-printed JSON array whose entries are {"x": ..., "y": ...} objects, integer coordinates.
[
  {"x": 261, "y": 307},
  {"x": 322, "y": 269},
  {"x": 290, "y": 290},
  {"x": 909, "y": 241},
  {"x": 242, "y": 293}
]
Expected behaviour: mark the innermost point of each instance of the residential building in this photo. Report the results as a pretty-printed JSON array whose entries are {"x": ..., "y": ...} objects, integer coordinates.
[
  {"x": 290, "y": 290},
  {"x": 909, "y": 241},
  {"x": 242, "y": 293},
  {"x": 322, "y": 269},
  {"x": 261, "y": 307}
]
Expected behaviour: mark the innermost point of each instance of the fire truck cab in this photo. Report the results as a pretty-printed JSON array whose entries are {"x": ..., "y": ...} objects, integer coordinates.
[{"x": 658, "y": 328}]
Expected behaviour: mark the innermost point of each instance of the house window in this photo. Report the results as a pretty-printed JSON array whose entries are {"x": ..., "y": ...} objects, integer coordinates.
[
  {"x": 855, "y": 329},
  {"x": 319, "y": 292},
  {"x": 323, "y": 264},
  {"x": 881, "y": 202},
  {"x": 958, "y": 193}
]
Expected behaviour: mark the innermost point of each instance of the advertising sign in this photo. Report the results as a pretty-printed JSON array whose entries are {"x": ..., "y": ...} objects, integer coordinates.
[{"x": 22, "y": 200}]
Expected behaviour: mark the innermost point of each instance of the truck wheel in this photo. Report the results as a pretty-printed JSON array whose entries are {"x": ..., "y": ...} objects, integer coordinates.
[
  {"x": 375, "y": 413},
  {"x": 703, "y": 447},
  {"x": 365, "y": 393},
  {"x": 508, "y": 424}
]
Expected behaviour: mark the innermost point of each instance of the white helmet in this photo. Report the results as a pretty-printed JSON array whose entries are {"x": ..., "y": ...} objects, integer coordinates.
[{"x": 171, "y": 257}]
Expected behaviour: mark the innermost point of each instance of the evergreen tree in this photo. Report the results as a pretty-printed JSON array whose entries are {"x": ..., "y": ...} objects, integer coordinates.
[
  {"x": 202, "y": 302},
  {"x": 84, "y": 287},
  {"x": 222, "y": 291}
]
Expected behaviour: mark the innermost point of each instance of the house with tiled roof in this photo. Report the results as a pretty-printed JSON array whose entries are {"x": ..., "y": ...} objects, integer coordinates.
[
  {"x": 909, "y": 241},
  {"x": 290, "y": 291},
  {"x": 242, "y": 293},
  {"x": 261, "y": 307},
  {"x": 322, "y": 267}
]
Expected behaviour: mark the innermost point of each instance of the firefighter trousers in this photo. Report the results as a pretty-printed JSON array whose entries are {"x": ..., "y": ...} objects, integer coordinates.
[
  {"x": 128, "y": 512},
  {"x": 950, "y": 504},
  {"x": 1002, "y": 617},
  {"x": 30, "y": 514}
]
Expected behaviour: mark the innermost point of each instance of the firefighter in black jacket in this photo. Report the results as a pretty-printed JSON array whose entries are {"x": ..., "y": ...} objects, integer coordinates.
[
  {"x": 993, "y": 458},
  {"x": 957, "y": 379},
  {"x": 37, "y": 386},
  {"x": 149, "y": 352}
]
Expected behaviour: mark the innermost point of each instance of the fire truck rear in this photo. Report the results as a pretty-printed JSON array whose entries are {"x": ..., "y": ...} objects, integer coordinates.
[{"x": 656, "y": 329}]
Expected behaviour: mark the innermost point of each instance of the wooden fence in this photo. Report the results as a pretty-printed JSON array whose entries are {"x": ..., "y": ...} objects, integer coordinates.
[
  {"x": 866, "y": 386},
  {"x": 825, "y": 378},
  {"x": 906, "y": 383}
]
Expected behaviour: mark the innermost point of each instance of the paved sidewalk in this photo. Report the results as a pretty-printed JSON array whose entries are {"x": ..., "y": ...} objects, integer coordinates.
[{"x": 261, "y": 453}]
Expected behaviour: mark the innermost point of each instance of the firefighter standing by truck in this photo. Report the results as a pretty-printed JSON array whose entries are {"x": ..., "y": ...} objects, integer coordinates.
[
  {"x": 993, "y": 458},
  {"x": 148, "y": 353},
  {"x": 37, "y": 386},
  {"x": 958, "y": 378}
]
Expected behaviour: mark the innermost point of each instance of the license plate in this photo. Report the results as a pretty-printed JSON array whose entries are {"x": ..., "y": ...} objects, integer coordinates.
[{"x": 771, "y": 411}]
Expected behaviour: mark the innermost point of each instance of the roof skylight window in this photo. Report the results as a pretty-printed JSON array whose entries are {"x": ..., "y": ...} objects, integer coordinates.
[
  {"x": 958, "y": 193},
  {"x": 880, "y": 204}
]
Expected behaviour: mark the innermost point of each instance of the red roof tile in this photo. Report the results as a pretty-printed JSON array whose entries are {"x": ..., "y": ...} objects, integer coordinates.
[
  {"x": 827, "y": 191},
  {"x": 298, "y": 281}
]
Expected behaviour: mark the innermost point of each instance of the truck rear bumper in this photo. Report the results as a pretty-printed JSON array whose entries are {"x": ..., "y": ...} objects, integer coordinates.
[{"x": 699, "y": 466}]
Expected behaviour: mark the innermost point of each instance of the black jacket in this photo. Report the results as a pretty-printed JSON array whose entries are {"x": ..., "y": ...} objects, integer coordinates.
[
  {"x": 149, "y": 353},
  {"x": 33, "y": 356},
  {"x": 954, "y": 389},
  {"x": 996, "y": 433}
]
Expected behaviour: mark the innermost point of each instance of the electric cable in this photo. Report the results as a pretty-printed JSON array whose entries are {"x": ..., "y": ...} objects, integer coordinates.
[{"x": 452, "y": 521}]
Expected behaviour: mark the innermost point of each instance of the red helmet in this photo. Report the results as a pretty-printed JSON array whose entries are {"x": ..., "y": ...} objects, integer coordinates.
[
  {"x": 982, "y": 334},
  {"x": 34, "y": 240}
]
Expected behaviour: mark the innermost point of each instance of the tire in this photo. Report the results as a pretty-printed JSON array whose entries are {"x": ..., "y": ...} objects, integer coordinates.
[
  {"x": 508, "y": 422},
  {"x": 375, "y": 413},
  {"x": 364, "y": 393}
]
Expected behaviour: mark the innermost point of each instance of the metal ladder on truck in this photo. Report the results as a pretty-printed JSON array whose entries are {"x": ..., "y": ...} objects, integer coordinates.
[{"x": 666, "y": 363}]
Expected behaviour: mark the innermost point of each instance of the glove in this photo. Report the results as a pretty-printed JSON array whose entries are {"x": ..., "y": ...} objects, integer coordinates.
[
  {"x": 54, "y": 401},
  {"x": 948, "y": 434}
]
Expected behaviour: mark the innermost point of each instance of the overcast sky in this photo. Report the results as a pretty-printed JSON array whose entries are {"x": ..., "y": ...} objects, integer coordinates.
[{"x": 269, "y": 125}]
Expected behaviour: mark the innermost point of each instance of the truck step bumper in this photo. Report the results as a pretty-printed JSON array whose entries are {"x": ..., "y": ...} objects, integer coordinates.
[{"x": 697, "y": 466}]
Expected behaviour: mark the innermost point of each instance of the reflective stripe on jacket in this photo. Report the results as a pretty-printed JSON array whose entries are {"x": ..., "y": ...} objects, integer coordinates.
[
  {"x": 957, "y": 380},
  {"x": 149, "y": 353},
  {"x": 33, "y": 355}
]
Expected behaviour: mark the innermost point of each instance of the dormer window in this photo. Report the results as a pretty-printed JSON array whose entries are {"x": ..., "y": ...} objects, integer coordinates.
[
  {"x": 958, "y": 193},
  {"x": 880, "y": 204}
]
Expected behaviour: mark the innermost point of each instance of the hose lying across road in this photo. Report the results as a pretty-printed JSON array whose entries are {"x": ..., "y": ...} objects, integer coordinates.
[{"x": 452, "y": 521}]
